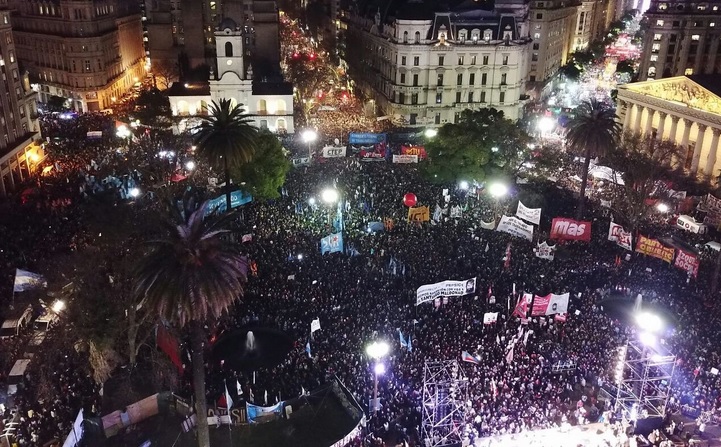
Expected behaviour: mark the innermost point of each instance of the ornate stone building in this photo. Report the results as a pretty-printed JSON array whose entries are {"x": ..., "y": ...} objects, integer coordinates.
[{"x": 685, "y": 110}]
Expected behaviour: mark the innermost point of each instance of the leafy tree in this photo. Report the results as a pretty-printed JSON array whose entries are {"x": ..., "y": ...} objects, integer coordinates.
[
  {"x": 483, "y": 143},
  {"x": 265, "y": 174},
  {"x": 309, "y": 74},
  {"x": 191, "y": 276},
  {"x": 226, "y": 140},
  {"x": 571, "y": 71},
  {"x": 626, "y": 67},
  {"x": 152, "y": 107},
  {"x": 641, "y": 162},
  {"x": 592, "y": 132}
]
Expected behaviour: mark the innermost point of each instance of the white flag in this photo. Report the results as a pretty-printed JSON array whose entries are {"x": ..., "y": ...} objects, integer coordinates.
[
  {"x": 25, "y": 280},
  {"x": 228, "y": 399},
  {"x": 490, "y": 317},
  {"x": 315, "y": 325},
  {"x": 240, "y": 388}
]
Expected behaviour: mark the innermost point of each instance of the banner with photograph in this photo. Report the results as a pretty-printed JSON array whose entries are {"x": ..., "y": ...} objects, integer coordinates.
[
  {"x": 528, "y": 214},
  {"x": 405, "y": 159},
  {"x": 545, "y": 251},
  {"x": 569, "y": 229},
  {"x": 430, "y": 292},
  {"x": 621, "y": 237},
  {"x": 654, "y": 248},
  {"x": 332, "y": 243},
  {"x": 550, "y": 304},
  {"x": 257, "y": 414},
  {"x": 687, "y": 262},
  {"x": 515, "y": 227}
]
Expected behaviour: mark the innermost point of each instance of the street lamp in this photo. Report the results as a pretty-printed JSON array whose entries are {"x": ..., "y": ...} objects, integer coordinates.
[
  {"x": 377, "y": 350},
  {"x": 134, "y": 192},
  {"x": 545, "y": 125},
  {"x": 662, "y": 207},
  {"x": 309, "y": 136},
  {"x": 463, "y": 185},
  {"x": 497, "y": 191},
  {"x": 430, "y": 133},
  {"x": 329, "y": 195},
  {"x": 58, "y": 306},
  {"x": 649, "y": 322},
  {"x": 190, "y": 165}
]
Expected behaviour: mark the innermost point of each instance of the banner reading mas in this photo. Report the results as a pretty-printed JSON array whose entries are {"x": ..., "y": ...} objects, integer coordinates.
[{"x": 652, "y": 247}]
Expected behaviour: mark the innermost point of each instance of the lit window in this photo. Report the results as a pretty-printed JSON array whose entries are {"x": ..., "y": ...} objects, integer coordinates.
[
  {"x": 654, "y": 57},
  {"x": 656, "y": 37},
  {"x": 537, "y": 36},
  {"x": 695, "y": 37},
  {"x": 652, "y": 71},
  {"x": 662, "y": 6},
  {"x": 712, "y": 24},
  {"x": 688, "y": 71},
  {"x": 659, "y": 22},
  {"x": 701, "y": 7},
  {"x": 655, "y": 47}
]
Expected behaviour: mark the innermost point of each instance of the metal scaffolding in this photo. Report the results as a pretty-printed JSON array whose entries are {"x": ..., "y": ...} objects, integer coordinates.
[
  {"x": 445, "y": 391},
  {"x": 643, "y": 378}
]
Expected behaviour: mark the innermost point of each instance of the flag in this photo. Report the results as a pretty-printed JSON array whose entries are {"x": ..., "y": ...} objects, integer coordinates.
[
  {"x": 488, "y": 247},
  {"x": 307, "y": 349},
  {"x": 240, "y": 389},
  {"x": 521, "y": 309},
  {"x": 410, "y": 343},
  {"x": 332, "y": 243},
  {"x": 315, "y": 325},
  {"x": 302, "y": 391},
  {"x": 266, "y": 397},
  {"x": 25, "y": 280},
  {"x": 494, "y": 388},
  {"x": 403, "y": 341},
  {"x": 228, "y": 399},
  {"x": 247, "y": 237},
  {"x": 490, "y": 317},
  {"x": 466, "y": 357},
  {"x": 507, "y": 259},
  {"x": 509, "y": 354}
]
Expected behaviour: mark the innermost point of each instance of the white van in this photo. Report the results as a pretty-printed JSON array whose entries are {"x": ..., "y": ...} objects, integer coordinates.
[
  {"x": 688, "y": 223},
  {"x": 15, "y": 378},
  {"x": 12, "y": 327}
]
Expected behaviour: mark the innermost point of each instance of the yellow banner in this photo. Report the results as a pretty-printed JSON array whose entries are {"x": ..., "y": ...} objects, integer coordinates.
[
  {"x": 652, "y": 247},
  {"x": 419, "y": 214}
]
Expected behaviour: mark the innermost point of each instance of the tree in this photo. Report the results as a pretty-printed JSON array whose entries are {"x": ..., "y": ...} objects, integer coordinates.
[
  {"x": 226, "y": 140},
  {"x": 152, "y": 108},
  {"x": 309, "y": 73},
  {"x": 640, "y": 162},
  {"x": 264, "y": 175},
  {"x": 192, "y": 275},
  {"x": 164, "y": 73},
  {"x": 591, "y": 132},
  {"x": 482, "y": 143}
]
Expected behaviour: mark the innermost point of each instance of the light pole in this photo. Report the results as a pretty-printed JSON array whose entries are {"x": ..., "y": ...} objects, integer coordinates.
[
  {"x": 497, "y": 191},
  {"x": 330, "y": 196},
  {"x": 309, "y": 136},
  {"x": 377, "y": 350}
]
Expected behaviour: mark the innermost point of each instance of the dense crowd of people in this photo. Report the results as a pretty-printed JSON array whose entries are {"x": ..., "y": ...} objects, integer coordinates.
[{"x": 368, "y": 292}]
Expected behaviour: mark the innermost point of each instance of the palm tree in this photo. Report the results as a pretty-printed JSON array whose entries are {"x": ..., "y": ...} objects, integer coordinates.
[
  {"x": 593, "y": 131},
  {"x": 226, "y": 139},
  {"x": 191, "y": 276}
]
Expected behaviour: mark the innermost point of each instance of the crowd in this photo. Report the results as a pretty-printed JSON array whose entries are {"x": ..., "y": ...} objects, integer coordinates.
[{"x": 368, "y": 294}]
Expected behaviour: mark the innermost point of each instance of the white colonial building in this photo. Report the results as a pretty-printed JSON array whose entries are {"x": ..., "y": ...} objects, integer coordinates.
[
  {"x": 425, "y": 71},
  {"x": 268, "y": 103},
  {"x": 685, "y": 110}
]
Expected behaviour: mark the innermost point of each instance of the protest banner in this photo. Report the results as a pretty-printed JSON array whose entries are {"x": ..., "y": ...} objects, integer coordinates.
[
  {"x": 515, "y": 227},
  {"x": 430, "y": 292},
  {"x": 654, "y": 248},
  {"x": 621, "y": 237},
  {"x": 569, "y": 229},
  {"x": 528, "y": 214},
  {"x": 419, "y": 214}
]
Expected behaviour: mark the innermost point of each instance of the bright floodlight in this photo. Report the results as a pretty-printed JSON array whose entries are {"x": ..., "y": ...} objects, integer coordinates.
[
  {"x": 379, "y": 369},
  {"x": 662, "y": 207},
  {"x": 190, "y": 165},
  {"x": 330, "y": 195},
  {"x": 309, "y": 136},
  {"x": 647, "y": 338},
  {"x": 430, "y": 133},
  {"x": 649, "y": 322},
  {"x": 300, "y": 256},
  {"x": 463, "y": 185},
  {"x": 546, "y": 124},
  {"x": 122, "y": 131},
  {"x": 311, "y": 201},
  {"x": 377, "y": 349},
  {"x": 494, "y": 149},
  {"x": 134, "y": 192},
  {"x": 58, "y": 306},
  {"x": 497, "y": 190}
]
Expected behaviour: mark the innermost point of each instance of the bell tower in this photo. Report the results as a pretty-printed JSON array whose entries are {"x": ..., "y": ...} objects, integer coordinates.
[{"x": 229, "y": 49}]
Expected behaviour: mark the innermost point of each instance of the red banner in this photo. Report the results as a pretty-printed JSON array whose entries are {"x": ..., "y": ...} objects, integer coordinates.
[
  {"x": 414, "y": 150},
  {"x": 569, "y": 229},
  {"x": 652, "y": 247},
  {"x": 687, "y": 262},
  {"x": 540, "y": 304}
]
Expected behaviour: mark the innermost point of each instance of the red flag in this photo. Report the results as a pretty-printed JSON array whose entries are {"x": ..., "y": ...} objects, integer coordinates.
[
  {"x": 508, "y": 256},
  {"x": 522, "y": 306},
  {"x": 169, "y": 345}
]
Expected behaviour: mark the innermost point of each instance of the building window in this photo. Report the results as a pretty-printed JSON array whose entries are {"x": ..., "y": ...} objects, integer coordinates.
[
  {"x": 439, "y": 80},
  {"x": 418, "y": 37},
  {"x": 655, "y": 47},
  {"x": 487, "y": 35},
  {"x": 458, "y": 97},
  {"x": 662, "y": 6},
  {"x": 403, "y": 78},
  {"x": 460, "y": 60},
  {"x": 698, "y": 24},
  {"x": 475, "y": 34},
  {"x": 536, "y": 36},
  {"x": 695, "y": 37},
  {"x": 712, "y": 24},
  {"x": 532, "y": 78},
  {"x": 503, "y": 78},
  {"x": 659, "y": 22},
  {"x": 459, "y": 79},
  {"x": 701, "y": 7},
  {"x": 441, "y": 59},
  {"x": 654, "y": 57},
  {"x": 403, "y": 60},
  {"x": 656, "y": 37},
  {"x": 473, "y": 60},
  {"x": 483, "y": 96},
  {"x": 688, "y": 71},
  {"x": 485, "y": 60},
  {"x": 471, "y": 78},
  {"x": 651, "y": 71},
  {"x": 405, "y": 36},
  {"x": 502, "y": 97},
  {"x": 505, "y": 59},
  {"x": 415, "y": 80},
  {"x": 534, "y": 56},
  {"x": 439, "y": 97},
  {"x": 87, "y": 65},
  {"x": 539, "y": 16},
  {"x": 484, "y": 78},
  {"x": 228, "y": 49},
  {"x": 401, "y": 98},
  {"x": 416, "y": 61},
  {"x": 414, "y": 98},
  {"x": 470, "y": 96},
  {"x": 462, "y": 35},
  {"x": 536, "y": 46}
]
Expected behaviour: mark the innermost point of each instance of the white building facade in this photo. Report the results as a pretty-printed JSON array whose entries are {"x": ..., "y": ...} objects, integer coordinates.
[
  {"x": 426, "y": 72},
  {"x": 268, "y": 104}
]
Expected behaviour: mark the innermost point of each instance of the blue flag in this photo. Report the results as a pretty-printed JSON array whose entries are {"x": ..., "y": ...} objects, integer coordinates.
[
  {"x": 332, "y": 243},
  {"x": 410, "y": 343},
  {"x": 307, "y": 349},
  {"x": 403, "y": 341}
]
